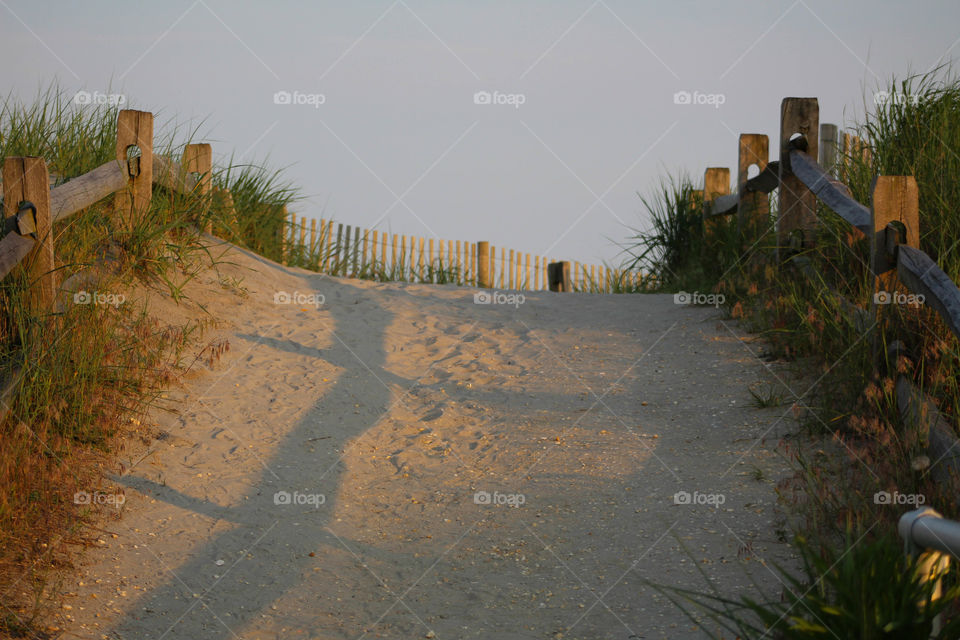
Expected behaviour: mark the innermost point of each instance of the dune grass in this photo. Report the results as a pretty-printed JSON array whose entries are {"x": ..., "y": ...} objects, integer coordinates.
[
  {"x": 75, "y": 376},
  {"x": 851, "y": 411}
]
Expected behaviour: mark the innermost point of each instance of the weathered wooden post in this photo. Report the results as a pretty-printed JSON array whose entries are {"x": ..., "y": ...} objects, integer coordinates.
[
  {"x": 558, "y": 274},
  {"x": 356, "y": 251},
  {"x": 797, "y": 217},
  {"x": 26, "y": 189},
  {"x": 716, "y": 183},
  {"x": 198, "y": 159},
  {"x": 483, "y": 264},
  {"x": 753, "y": 209},
  {"x": 895, "y": 199},
  {"x": 283, "y": 237},
  {"x": 134, "y": 140},
  {"x": 829, "y": 146}
]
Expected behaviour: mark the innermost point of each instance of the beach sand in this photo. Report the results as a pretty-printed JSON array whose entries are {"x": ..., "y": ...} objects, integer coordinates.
[{"x": 401, "y": 462}]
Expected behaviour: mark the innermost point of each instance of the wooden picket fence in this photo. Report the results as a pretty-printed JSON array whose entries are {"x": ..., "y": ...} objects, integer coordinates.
[{"x": 345, "y": 250}]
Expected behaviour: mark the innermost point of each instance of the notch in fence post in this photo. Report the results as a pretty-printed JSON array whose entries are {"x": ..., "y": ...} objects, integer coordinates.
[
  {"x": 753, "y": 209},
  {"x": 829, "y": 146},
  {"x": 797, "y": 216},
  {"x": 26, "y": 180},
  {"x": 558, "y": 274},
  {"x": 135, "y": 152},
  {"x": 198, "y": 159}
]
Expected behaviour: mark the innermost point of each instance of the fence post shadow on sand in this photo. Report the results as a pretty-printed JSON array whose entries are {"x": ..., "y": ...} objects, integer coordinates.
[{"x": 172, "y": 606}]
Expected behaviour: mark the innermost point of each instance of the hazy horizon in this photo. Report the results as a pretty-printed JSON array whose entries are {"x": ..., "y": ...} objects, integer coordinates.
[{"x": 533, "y": 127}]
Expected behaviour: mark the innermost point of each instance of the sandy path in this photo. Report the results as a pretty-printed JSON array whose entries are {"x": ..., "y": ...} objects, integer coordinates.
[{"x": 394, "y": 405}]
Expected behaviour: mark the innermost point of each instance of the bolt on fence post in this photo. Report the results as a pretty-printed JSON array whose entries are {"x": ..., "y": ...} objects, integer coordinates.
[
  {"x": 483, "y": 264},
  {"x": 198, "y": 159},
  {"x": 797, "y": 215},
  {"x": 134, "y": 133},
  {"x": 753, "y": 209},
  {"x": 829, "y": 146},
  {"x": 26, "y": 180}
]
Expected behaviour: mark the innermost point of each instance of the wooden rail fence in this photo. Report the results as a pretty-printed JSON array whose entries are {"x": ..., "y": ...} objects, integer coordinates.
[
  {"x": 32, "y": 203},
  {"x": 813, "y": 163}
]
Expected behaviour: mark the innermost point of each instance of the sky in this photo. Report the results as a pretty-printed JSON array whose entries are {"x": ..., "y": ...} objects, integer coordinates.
[{"x": 532, "y": 125}]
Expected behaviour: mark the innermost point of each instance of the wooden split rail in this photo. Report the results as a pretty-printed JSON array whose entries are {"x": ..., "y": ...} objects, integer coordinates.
[
  {"x": 891, "y": 223},
  {"x": 31, "y": 205}
]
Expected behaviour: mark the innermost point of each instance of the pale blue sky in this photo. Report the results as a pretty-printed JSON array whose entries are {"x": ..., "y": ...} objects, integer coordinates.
[{"x": 399, "y": 141}]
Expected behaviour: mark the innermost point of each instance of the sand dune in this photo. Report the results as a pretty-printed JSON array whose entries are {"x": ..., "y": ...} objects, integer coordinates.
[{"x": 400, "y": 462}]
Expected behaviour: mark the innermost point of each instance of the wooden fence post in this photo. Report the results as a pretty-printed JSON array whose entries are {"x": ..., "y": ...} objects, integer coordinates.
[
  {"x": 356, "y": 251},
  {"x": 283, "y": 237},
  {"x": 483, "y": 264},
  {"x": 472, "y": 267},
  {"x": 559, "y": 276},
  {"x": 393, "y": 256},
  {"x": 503, "y": 268},
  {"x": 716, "y": 182},
  {"x": 797, "y": 217},
  {"x": 753, "y": 210},
  {"x": 324, "y": 242},
  {"x": 895, "y": 199},
  {"x": 313, "y": 240},
  {"x": 26, "y": 180},
  {"x": 198, "y": 159},
  {"x": 134, "y": 132},
  {"x": 337, "y": 262},
  {"x": 829, "y": 146}
]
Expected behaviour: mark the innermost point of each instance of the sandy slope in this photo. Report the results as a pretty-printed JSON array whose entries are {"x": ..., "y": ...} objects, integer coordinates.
[{"x": 395, "y": 405}]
